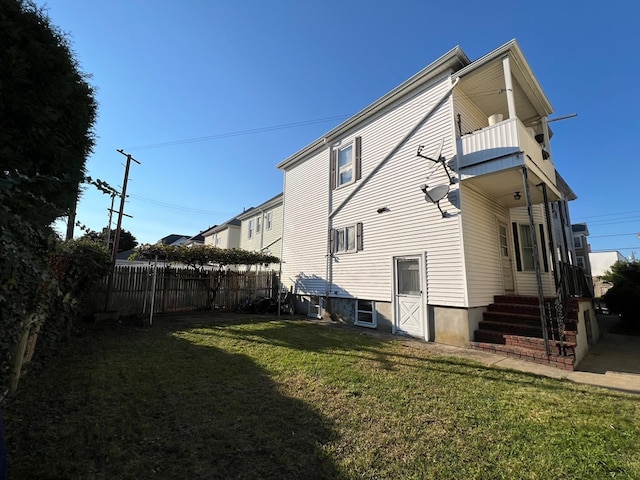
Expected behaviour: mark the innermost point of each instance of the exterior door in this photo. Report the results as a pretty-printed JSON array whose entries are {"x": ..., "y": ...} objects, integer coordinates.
[
  {"x": 505, "y": 258},
  {"x": 409, "y": 305}
]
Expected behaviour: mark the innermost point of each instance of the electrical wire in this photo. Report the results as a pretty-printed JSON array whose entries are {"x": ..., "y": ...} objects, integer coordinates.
[
  {"x": 177, "y": 207},
  {"x": 239, "y": 133}
]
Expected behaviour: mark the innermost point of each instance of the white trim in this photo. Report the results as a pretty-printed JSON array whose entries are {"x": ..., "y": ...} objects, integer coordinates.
[{"x": 374, "y": 314}]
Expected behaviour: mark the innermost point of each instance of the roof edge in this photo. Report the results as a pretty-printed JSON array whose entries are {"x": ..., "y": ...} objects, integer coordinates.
[{"x": 454, "y": 59}]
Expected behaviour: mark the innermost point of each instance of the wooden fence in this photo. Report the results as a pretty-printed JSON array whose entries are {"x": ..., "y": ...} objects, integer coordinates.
[{"x": 180, "y": 289}]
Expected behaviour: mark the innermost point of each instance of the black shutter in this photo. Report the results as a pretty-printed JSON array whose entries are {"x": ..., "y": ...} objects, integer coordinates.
[
  {"x": 357, "y": 158},
  {"x": 543, "y": 242},
  {"x": 333, "y": 159},
  {"x": 332, "y": 242},
  {"x": 516, "y": 245},
  {"x": 358, "y": 236}
]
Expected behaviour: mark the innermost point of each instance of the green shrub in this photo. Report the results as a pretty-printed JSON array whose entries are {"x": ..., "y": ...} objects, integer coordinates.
[{"x": 624, "y": 297}]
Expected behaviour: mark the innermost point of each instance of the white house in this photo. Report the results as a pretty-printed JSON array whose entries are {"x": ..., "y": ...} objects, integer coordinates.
[
  {"x": 412, "y": 215},
  {"x": 261, "y": 227}
]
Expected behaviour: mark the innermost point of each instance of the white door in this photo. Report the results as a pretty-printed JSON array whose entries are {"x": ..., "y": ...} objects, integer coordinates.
[
  {"x": 505, "y": 257},
  {"x": 409, "y": 309}
]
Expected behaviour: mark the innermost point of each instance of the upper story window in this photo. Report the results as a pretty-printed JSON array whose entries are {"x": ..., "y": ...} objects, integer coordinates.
[
  {"x": 251, "y": 228},
  {"x": 269, "y": 221},
  {"x": 218, "y": 240},
  {"x": 258, "y": 224},
  {"x": 345, "y": 163},
  {"x": 577, "y": 242},
  {"x": 581, "y": 262}
]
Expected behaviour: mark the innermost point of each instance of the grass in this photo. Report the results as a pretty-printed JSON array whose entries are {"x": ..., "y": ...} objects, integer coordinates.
[{"x": 250, "y": 398}]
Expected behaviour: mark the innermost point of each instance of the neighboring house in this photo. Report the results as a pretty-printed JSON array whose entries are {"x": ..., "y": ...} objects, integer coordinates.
[
  {"x": 601, "y": 262},
  {"x": 581, "y": 245},
  {"x": 413, "y": 214},
  {"x": 261, "y": 227},
  {"x": 197, "y": 239},
  {"x": 225, "y": 235},
  {"x": 173, "y": 239}
]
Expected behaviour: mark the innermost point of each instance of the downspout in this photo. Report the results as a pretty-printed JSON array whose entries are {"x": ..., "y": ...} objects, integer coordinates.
[
  {"x": 412, "y": 132},
  {"x": 536, "y": 261}
]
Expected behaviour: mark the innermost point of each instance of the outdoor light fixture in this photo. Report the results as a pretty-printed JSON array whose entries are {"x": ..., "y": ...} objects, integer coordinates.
[{"x": 517, "y": 196}]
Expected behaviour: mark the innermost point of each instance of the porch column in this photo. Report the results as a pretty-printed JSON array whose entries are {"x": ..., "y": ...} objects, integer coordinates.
[
  {"x": 508, "y": 85},
  {"x": 536, "y": 261},
  {"x": 550, "y": 233}
]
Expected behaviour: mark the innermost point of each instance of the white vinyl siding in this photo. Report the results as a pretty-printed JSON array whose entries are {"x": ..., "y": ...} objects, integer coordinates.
[
  {"x": 411, "y": 226},
  {"x": 481, "y": 248},
  {"x": 305, "y": 229}
]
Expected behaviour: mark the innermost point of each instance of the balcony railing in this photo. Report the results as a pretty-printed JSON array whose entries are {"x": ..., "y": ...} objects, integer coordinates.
[{"x": 501, "y": 141}]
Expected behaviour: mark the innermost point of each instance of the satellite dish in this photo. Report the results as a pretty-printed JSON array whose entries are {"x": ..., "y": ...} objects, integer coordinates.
[{"x": 436, "y": 194}]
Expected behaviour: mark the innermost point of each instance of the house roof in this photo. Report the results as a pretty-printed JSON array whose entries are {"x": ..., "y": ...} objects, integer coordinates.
[
  {"x": 454, "y": 59},
  {"x": 232, "y": 222},
  {"x": 169, "y": 239},
  {"x": 271, "y": 203},
  {"x": 580, "y": 228}
]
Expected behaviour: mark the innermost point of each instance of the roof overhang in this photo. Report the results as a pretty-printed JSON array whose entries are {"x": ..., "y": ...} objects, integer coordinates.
[
  {"x": 483, "y": 81},
  {"x": 451, "y": 61}
]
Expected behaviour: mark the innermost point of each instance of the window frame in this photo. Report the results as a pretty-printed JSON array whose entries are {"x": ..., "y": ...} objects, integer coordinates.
[
  {"x": 251, "y": 229},
  {"x": 370, "y": 311},
  {"x": 340, "y": 239},
  {"x": 258, "y": 224},
  {"x": 268, "y": 220},
  {"x": 577, "y": 244},
  {"x": 354, "y": 165}
]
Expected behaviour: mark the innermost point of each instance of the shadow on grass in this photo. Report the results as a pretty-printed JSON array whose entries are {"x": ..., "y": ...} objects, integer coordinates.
[
  {"x": 149, "y": 405},
  {"x": 346, "y": 341}
]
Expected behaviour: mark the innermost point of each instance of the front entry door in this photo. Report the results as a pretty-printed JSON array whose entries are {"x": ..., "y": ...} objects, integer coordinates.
[
  {"x": 505, "y": 258},
  {"x": 409, "y": 309}
]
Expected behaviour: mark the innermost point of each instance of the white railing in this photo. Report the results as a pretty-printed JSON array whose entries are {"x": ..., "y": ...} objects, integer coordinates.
[{"x": 503, "y": 139}]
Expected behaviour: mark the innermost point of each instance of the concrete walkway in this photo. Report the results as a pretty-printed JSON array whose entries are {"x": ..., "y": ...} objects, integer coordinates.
[{"x": 613, "y": 362}]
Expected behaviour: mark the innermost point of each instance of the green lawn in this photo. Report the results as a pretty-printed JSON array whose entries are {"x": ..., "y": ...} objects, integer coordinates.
[{"x": 251, "y": 398}]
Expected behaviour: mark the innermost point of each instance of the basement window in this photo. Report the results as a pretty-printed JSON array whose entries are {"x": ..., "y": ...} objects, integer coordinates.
[{"x": 366, "y": 313}]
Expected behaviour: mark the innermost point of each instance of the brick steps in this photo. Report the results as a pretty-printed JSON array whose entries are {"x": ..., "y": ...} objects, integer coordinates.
[
  {"x": 520, "y": 353},
  {"x": 511, "y": 327}
]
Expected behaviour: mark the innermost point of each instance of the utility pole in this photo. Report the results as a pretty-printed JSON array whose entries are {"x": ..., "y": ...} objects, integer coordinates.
[{"x": 116, "y": 238}]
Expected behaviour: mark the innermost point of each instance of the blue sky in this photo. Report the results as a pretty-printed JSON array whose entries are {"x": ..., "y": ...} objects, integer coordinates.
[{"x": 253, "y": 81}]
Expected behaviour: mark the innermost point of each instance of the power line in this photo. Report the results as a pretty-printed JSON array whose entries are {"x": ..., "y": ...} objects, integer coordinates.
[
  {"x": 613, "y": 235},
  {"x": 610, "y": 214},
  {"x": 177, "y": 207},
  {"x": 240, "y": 132}
]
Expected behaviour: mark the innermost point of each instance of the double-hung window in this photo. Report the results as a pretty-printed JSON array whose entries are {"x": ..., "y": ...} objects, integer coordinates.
[
  {"x": 345, "y": 163},
  {"x": 251, "y": 228},
  {"x": 346, "y": 239},
  {"x": 258, "y": 224},
  {"x": 523, "y": 243},
  {"x": 269, "y": 221}
]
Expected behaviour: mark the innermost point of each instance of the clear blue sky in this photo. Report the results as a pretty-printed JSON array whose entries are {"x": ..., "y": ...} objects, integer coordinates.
[{"x": 167, "y": 71}]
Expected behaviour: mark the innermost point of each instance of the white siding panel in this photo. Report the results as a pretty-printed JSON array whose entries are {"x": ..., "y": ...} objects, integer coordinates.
[
  {"x": 411, "y": 226},
  {"x": 482, "y": 259},
  {"x": 305, "y": 225}
]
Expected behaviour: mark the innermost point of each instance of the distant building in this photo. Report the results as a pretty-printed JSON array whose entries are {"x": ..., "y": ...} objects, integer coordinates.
[
  {"x": 581, "y": 246},
  {"x": 600, "y": 263}
]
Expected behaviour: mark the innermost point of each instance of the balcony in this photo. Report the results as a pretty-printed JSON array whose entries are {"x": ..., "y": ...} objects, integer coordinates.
[{"x": 492, "y": 159}]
